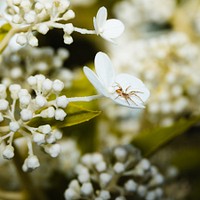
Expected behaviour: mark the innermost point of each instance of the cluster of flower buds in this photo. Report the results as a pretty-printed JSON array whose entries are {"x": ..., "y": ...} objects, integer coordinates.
[
  {"x": 119, "y": 173},
  {"x": 19, "y": 65},
  {"x": 39, "y": 15},
  {"x": 19, "y": 107},
  {"x": 27, "y": 16}
]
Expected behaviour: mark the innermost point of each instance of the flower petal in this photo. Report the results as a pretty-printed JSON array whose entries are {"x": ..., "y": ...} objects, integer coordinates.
[
  {"x": 129, "y": 91},
  {"x": 113, "y": 28},
  {"x": 104, "y": 69},
  {"x": 94, "y": 80},
  {"x": 101, "y": 16},
  {"x": 100, "y": 19}
]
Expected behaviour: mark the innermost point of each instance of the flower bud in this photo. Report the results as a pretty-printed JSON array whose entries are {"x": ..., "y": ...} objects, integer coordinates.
[
  {"x": 8, "y": 152},
  {"x": 60, "y": 114},
  {"x": 62, "y": 101}
]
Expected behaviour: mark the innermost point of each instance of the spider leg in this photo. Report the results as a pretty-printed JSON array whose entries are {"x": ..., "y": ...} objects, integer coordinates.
[
  {"x": 137, "y": 97},
  {"x": 117, "y": 85},
  {"x": 127, "y": 100},
  {"x": 135, "y": 91},
  {"x": 127, "y": 88},
  {"x": 117, "y": 96},
  {"x": 132, "y": 101}
]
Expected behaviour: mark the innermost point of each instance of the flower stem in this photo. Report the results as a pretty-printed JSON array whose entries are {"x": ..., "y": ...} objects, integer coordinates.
[
  {"x": 84, "y": 31},
  {"x": 9, "y": 35},
  {"x": 32, "y": 192},
  {"x": 87, "y": 98}
]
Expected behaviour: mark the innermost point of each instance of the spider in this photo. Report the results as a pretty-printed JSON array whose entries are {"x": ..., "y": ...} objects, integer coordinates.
[{"x": 127, "y": 95}]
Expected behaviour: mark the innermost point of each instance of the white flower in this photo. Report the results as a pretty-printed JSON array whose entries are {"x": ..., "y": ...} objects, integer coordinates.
[
  {"x": 107, "y": 29},
  {"x": 124, "y": 89}
]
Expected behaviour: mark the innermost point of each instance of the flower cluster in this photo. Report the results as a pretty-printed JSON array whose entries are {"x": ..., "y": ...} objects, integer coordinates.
[
  {"x": 119, "y": 173},
  {"x": 18, "y": 107},
  {"x": 19, "y": 65},
  {"x": 27, "y": 17}
]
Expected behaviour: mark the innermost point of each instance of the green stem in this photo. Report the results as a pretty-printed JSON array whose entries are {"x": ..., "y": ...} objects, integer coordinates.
[{"x": 32, "y": 191}]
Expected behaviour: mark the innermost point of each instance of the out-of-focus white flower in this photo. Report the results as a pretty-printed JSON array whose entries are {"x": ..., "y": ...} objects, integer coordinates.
[
  {"x": 124, "y": 89},
  {"x": 107, "y": 29}
]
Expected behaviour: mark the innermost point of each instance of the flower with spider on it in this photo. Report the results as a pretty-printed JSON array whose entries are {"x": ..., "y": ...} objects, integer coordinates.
[
  {"x": 124, "y": 89},
  {"x": 107, "y": 29}
]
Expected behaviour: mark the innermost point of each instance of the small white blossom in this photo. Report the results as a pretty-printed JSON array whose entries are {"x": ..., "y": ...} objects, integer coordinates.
[
  {"x": 32, "y": 81},
  {"x": 43, "y": 29},
  {"x": 105, "y": 178},
  {"x": 48, "y": 113},
  {"x": 8, "y": 152},
  {"x": 87, "y": 189},
  {"x": 57, "y": 134},
  {"x": 107, "y": 29},
  {"x": 21, "y": 39},
  {"x": 53, "y": 150},
  {"x": 14, "y": 126},
  {"x": 45, "y": 129},
  {"x": 67, "y": 38},
  {"x": 3, "y": 104},
  {"x": 124, "y": 89},
  {"x": 47, "y": 85},
  {"x": 104, "y": 194},
  {"x": 60, "y": 114},
  {"x": 38, "y": 138},
  {"x": 101, "y": 166},
  {"x": 62, "y": 101},
  {"x": 14, "y": 90},
  {"x": 30, "y": 163},
  {"x": 69, "y": 15},
  {"x": 84, "y": 177},
  {"x": 26, "y": 114},
  {"x": 68, "y": 28},
  {"x": 71, "y": 194},
  {"x": 40, "y": 100},
  {"x": 58, "y": 86},
  {"x": 33, "y": 41},
  {"x": 30, "y": 17},
  {"x": 24, "y": 100},
  {"x": 119, "y": 167},
  {"x": 130, "y": 186}
]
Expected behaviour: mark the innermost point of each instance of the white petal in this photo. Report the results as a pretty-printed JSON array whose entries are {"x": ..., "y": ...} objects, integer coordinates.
[
  {"x": 113, "y": 28},
  {"x": 104, "y": 69},
  {"x": 137, "y": 93},
  {"x": 101, "y": 17},
  {"x": 96, "y": 26},
  {"x": 94, "y": 80}
]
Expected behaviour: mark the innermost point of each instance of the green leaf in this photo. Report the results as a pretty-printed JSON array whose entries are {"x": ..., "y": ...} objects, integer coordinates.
[
  {"x": 151, "y": 140},
  {"x": 4, "y": 29},
  {"x": 75, "y": 115}
]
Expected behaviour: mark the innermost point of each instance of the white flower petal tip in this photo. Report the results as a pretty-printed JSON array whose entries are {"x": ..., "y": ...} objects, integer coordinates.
[
  {"x": 123, "y": 89},
  {"x": 107, "y": 29}
]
